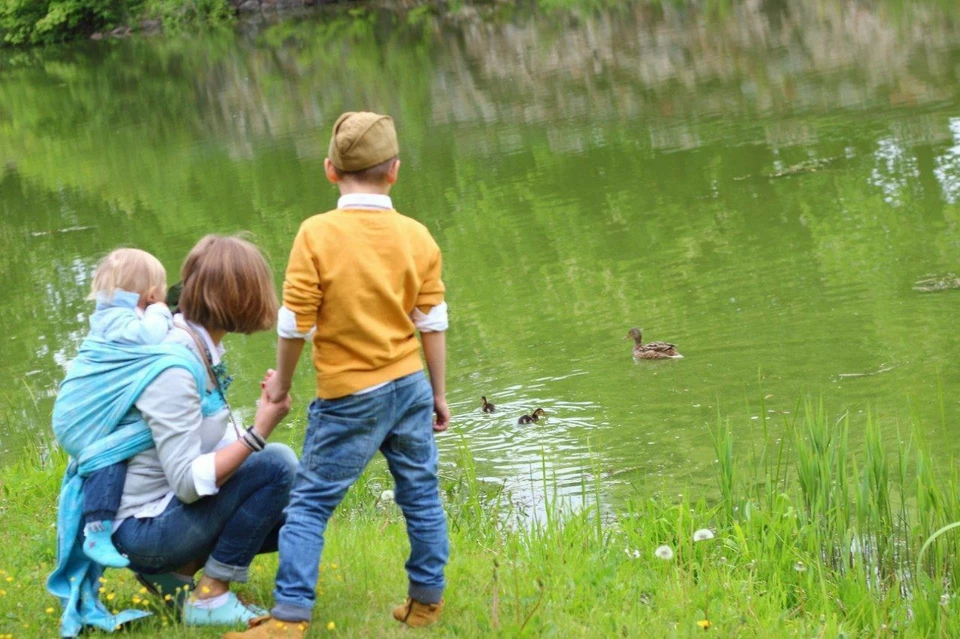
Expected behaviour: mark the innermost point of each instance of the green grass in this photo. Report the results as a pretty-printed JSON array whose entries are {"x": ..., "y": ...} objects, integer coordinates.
[{"x": 814, "y": 537}]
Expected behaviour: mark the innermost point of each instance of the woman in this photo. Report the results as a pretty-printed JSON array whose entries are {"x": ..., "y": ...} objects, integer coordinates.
[{"x": 210, "y": 493}]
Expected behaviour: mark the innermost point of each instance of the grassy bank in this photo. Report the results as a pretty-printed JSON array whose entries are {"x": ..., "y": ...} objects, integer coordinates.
[{"x": 809, "y": 538}]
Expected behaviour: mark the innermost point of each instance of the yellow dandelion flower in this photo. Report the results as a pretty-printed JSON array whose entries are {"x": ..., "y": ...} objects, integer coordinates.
[
  {"x": 302, "y": 626},
  {"x": 333, "y": 566},
  {"x": 704, "y": 623},
  {"x": 167, "y": 597},
  {"x": 331, "y": 626},
  {"x": 186, "y": 587},
  {"x": 111, "y": 596},
  {"x": 49, "y": 610},
  {"x": 3, "y": 593},
  {"x": 143, "y": 591},
  {"x": 116, "y": 612},
  {"x": 206, "y": 590},
  {"x": 9, "y": 579},
  {"x": 322, "y": 567},
  {"x": 136, "y": 599},
  {"x": 102, "y": 580}
]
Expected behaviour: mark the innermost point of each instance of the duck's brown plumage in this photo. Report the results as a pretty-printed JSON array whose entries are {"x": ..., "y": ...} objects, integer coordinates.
[
  {"x": 532, "y": 417},
  {"x": 653, "y": 350},
  {"x": 486, "y": 406}
]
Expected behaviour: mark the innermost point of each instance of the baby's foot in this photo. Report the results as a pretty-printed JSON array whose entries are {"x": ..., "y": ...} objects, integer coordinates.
[{"x": 98, "y": 546}]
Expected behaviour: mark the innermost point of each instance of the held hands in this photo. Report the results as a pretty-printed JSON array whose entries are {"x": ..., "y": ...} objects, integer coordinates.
[
  {"x": 441, "y": 420},
  {"x": 270, "y": 412},
  {"x": 275, "y": 391}
]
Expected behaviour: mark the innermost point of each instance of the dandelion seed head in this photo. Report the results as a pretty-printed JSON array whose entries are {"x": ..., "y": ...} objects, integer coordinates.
[
  {"x": 386, "y": 495},
  {"x": 664, "y": 552},
  {"x": 800, "y": 566},
  {"x": 703, "y": 534},
  {"x": 945, "y": 599}
]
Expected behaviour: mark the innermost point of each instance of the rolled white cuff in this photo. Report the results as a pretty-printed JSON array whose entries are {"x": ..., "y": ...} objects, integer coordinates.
[
  {"x": 435, "y": 321},
  {"x": 205, "y": 475},
  {"x": 287, "y": 325}
]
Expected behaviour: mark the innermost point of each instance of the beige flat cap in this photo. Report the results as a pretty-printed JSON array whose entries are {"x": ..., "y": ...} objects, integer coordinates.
[{"x": 361, "y": 140}]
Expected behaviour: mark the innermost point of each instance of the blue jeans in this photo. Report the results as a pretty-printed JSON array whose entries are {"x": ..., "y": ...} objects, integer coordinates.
[
  {"x": 342, "y": 437},
  {"x": 229, "y": 528},
  {"x": 102, "y": 490}
]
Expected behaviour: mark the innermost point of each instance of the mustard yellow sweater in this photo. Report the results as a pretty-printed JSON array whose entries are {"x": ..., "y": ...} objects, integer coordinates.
[{"x": 357, "y": 275}]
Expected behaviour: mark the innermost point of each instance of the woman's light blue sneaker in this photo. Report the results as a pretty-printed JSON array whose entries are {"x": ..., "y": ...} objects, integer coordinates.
[{"x": 232, "y": 613}]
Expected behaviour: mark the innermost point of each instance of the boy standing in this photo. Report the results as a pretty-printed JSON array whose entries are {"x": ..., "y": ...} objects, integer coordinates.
[{"x": 362, "y": 279}]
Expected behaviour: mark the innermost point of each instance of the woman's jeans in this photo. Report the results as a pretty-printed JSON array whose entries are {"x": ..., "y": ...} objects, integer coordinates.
[
  {"x": 342, "y": 437},
  {"x": 229, "y": 528}
]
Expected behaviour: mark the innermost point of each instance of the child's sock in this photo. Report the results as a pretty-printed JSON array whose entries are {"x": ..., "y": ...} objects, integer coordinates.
[{"x": 98, "y": 546}]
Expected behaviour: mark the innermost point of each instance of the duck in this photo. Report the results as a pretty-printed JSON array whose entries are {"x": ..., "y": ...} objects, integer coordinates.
[
  {"x": 532, "y": 417},
  {"x": 487, "y": 407},
  {"x": 653, "y": 350}
]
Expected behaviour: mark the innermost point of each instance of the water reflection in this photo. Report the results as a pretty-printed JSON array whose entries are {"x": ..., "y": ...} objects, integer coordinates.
[{"x": 761, "y": 186}]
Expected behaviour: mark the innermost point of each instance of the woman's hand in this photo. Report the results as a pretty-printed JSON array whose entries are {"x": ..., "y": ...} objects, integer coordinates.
[{"x": 269, "y": 413}]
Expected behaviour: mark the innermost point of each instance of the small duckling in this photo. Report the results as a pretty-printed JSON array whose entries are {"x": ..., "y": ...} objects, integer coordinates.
[
  {"x": 487, "y": 407},
  {"x": 533, "y": 417}
]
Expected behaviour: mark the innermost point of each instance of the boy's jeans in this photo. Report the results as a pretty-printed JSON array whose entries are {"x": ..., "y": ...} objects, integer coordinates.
[
  {"x": 102, "y": 490},
  {"x": 342, "y": 437}
]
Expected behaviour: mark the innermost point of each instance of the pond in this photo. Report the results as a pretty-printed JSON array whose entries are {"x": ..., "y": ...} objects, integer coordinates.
[{"x": 763, "y": 184}]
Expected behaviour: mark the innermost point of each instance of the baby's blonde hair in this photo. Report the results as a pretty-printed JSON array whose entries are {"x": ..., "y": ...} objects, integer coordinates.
[{"x": 131, "y": 270}]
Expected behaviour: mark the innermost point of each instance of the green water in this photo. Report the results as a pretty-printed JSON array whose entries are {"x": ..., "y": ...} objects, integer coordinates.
[{"x": 582, "y": 173}]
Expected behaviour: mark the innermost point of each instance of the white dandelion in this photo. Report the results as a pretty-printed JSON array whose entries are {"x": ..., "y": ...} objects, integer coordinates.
[
  {"x": 634, "y": 553},
  {"x": 386, "y": 495},
  {"x": 664, "y": 552},
  {"x": 800, "y": 566},
  {"x": 703, "y": 534}
]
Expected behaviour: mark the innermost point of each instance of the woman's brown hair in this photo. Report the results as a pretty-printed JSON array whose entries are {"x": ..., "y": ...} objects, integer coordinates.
[{"x": 228, "y": 285}]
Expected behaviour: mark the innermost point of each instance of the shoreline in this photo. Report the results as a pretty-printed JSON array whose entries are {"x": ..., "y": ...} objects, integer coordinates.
[{"x": 806, "y": 539}]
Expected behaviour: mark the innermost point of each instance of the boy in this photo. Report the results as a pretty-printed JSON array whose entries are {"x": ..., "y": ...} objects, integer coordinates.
[{"x": 361, "y": 280}]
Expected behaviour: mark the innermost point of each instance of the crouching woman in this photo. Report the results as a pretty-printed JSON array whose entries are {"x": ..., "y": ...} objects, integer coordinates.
[{"x": 211, "y": 493}]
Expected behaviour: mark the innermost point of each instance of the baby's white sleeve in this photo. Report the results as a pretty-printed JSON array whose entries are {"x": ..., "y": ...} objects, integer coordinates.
[{"x": 156, "y": 323}]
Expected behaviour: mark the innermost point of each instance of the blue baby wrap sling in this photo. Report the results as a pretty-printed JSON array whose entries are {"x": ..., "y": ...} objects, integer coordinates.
[{"x": 101, "y": 386}]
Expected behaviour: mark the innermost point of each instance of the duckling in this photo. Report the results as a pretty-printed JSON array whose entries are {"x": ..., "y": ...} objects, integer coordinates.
[
  {"x": 533, "y": 417},
  {"x": 653, "y": 350},
  {"x": 487, "y": 407}
]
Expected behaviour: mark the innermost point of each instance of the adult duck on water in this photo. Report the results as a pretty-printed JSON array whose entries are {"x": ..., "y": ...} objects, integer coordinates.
[{"x": 653, "y": 350}]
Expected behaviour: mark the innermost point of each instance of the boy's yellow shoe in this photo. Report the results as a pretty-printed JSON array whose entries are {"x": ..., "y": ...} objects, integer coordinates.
[
  {"x": 416, "y": 614},
  {"x": 270, "y": 628}
]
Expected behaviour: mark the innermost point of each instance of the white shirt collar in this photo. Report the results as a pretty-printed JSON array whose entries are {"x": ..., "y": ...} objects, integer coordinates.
[
  {"x": 367, "y": 201},
  {"x": 216, "y": 350}
]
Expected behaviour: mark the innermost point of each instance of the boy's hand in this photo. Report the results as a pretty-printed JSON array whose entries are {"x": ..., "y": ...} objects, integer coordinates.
[
  {"x": 270, "y": 414},
  {"x": 272, "y": 386},
  {"x": 442, "y": 419}
]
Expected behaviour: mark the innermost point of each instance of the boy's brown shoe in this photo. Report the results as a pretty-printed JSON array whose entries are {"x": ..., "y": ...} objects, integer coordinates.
[
  {"x": 416, "y": 614},
  {"x": 270, "y": 628}
]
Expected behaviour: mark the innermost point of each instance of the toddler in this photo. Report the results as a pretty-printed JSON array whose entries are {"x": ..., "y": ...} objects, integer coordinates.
[{"x": 129, "y": 287}]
